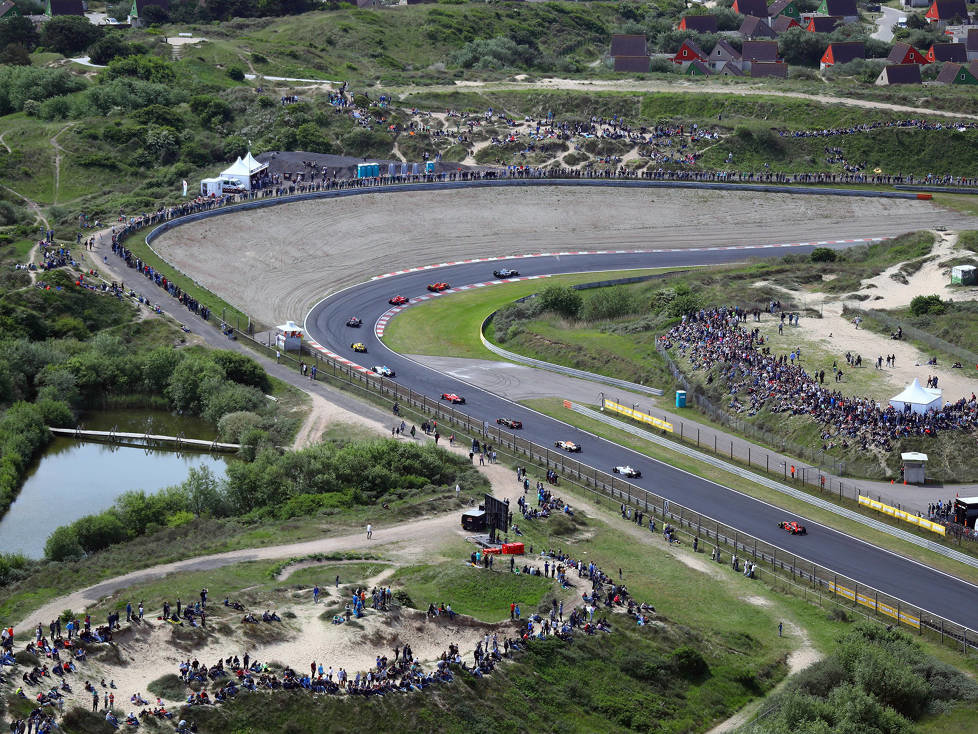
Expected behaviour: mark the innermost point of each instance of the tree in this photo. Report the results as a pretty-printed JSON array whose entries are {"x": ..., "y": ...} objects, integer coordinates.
[
  {"x": 201, "y": 486},
  {"x": 69, "y": 34},
  {"x": 110, "y": 46},
  {"x": 561, "y": 300},
  {"x": 801, "y": 48},
  {"x": 18, "y": 29},
  {"x": 154, "y": 15},
  {"x": 62, "y": 545},
  {"x": 15, "y": 54}
]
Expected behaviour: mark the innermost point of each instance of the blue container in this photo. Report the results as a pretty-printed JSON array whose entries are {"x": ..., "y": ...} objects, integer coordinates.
[
  {"x": 680, "y": 398},
  {"x": 429, "y": 167}
]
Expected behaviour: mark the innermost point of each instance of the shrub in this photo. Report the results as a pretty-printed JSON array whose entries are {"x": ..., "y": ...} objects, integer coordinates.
[
  {"x": 69, "y": 34},
  {"x": 607, "y": 303},
  {"x": 232, "y": 426},
  {"x": 561, "y": 300},
  {"x": 236, "y": 73},
  {"x": 689, "y": 663},
  {"x": 62, "y": 545},
  {"x": 823, "y": 255},
  {"x": 924, "y": 305}
]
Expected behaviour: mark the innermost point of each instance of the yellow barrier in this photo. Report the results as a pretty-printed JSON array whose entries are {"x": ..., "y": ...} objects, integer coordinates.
[
  {"x": 903, "y": 515},
  {"x": 637, "y": 415},
  {"x": 870, "y": 601}
]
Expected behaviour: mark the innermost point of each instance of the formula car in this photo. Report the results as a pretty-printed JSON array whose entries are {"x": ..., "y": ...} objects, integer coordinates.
[
  {"x": 383, "y": 370},
  {"x": 627, "y": 471},
  {"x": 398, "y": 301},
  {"x": 452, "y": 398},
  {"x": 793, "y": 527},
  {"x": 438, "y": 287},
  {"x": 509, "y": 423},
  {"x": 358, "y": 347},
  {"x": 506, "y": 273},
  {"x": 570, "y": 446},
  {"x": 354, "y": 322}
]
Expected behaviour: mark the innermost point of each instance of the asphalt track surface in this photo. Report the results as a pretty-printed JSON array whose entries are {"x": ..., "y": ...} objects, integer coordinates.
[{"x": 902, "y": 578}]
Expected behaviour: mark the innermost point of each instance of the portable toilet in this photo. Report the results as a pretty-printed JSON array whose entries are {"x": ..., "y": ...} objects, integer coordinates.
[
  {"x": 404, "y": 169},
  {"x": 680, "y": 398},
  {"x": 414, "y": 169},
  {"x": 913, "y": 467},
  {"x": 391, "y": 170},
  {"x": 363, "y": 170},
  {"x": 429, "y": 167},
  {"x": 964, "y": 275}
]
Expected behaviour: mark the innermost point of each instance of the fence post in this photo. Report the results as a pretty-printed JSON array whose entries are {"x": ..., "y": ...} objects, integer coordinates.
[{"x": 697, "y": 438}]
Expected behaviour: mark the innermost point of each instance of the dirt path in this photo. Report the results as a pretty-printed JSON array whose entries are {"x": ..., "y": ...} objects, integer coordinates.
[
  {"x": 631, "y": 85},
  {"x": 3, "y": 142},
  {"x": 57, "y": 160}
]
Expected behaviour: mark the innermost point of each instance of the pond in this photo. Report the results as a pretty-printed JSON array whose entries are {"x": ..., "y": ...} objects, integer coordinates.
[{"x": 74, "y": 478}]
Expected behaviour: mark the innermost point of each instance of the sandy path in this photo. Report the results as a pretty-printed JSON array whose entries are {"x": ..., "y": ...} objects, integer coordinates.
[
  {"x": 57, "y": 160},
  {"x": 300, "y": 252}
]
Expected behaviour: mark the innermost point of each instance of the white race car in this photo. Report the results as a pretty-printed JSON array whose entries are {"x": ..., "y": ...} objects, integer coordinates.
[
  {"x": 383, "y": 370},
  {"x": 627, "y": 471}
]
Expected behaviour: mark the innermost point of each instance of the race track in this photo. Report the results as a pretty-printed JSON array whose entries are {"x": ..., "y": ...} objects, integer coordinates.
[{"x": 275, "y": 280}]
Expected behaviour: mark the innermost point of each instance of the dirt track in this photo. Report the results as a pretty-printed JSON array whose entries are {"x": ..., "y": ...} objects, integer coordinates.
[{"x": 274, "y": 263}]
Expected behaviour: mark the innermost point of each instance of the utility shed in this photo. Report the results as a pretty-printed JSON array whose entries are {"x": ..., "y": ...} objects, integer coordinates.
[{"x": 914, "y": 464}]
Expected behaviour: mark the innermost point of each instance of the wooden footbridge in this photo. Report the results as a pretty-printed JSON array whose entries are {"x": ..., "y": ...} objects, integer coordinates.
[{"x": 145, "y": 440}]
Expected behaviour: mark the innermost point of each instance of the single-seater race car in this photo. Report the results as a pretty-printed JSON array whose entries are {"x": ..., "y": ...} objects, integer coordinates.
[
  {"x": 509, "y": 422},
  {"x": 438, "y": 287},
  {"x": 398, "y": 300},
  {"x": 358, "y": 347},
  {"x": 354, "y": 322},
  {"x": 570, "y": 446},
  {"x": 793, "y": 527},
  {"x": 383, "y": 370},
  {"x": 627, "y": 471},
  {"x": 453, "y": 398},
  {"x": 506, "y": 273}
]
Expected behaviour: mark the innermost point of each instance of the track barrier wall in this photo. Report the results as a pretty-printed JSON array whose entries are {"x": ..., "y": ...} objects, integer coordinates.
[
  {"x": 920, "y": 522},
  {"x": 637, "y": 415}
]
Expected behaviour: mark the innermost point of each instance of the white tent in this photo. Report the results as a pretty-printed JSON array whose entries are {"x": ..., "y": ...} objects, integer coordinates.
[
  {"x": 243, "y": 169},
  {"x": 920, "y": 399}
]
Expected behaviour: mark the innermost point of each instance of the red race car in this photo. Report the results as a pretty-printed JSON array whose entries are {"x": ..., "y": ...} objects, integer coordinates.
[
  {"x": 398, "y": 301},
  {"x": 793, "y": 527},
  {"x": 452, "y": 398},
  {"x": 438, "y": 287},
  {"x": 509, "y": 423}
]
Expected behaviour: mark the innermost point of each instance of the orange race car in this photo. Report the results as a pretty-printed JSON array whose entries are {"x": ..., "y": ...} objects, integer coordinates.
[{"x": 438, "y": 287}]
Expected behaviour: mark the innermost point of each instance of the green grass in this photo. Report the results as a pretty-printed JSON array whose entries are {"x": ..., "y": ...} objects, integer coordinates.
[
  {"x": 325, "y": 575},
  {"x": 477, "y": 592},
  {"x": 554, "y": 408},
  {"x": 449, "y": 326}
]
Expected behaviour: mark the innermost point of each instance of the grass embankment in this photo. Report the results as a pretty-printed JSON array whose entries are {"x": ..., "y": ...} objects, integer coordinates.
[
  {"x": 554, "y": 408},
  {"x": 449, "y": 326}
]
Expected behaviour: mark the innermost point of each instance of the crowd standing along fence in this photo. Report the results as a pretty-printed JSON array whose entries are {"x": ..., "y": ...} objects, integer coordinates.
[
  {"x": 791, "y": 573},
  {"x": 913, "y": 333}
]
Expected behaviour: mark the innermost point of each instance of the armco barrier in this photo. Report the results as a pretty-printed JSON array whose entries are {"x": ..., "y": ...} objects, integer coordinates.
[
  {"x": 800, "y": 572},
  {"x": 921, "y": 522},
  {"x": 637, "y": 415}
]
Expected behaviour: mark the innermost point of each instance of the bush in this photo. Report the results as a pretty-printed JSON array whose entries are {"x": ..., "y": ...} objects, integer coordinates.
[
  {"x": 823, "y": 255},
  {"x": 561, "y": 300},
  {"x": 69, "y": 34},
  {"x": 924, "y": 305},
  {"x": 110, "y": 46},
  {"x": 62, "y": 545},
  {"x": 689, "y": 663},
  {"x": 236, "y": 73},
  {"x": 607, "y": 303},
  {"x": 232, "y": 426}
]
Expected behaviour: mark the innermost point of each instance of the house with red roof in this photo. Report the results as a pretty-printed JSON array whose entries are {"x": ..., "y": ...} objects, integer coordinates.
[
  {"x": 899, "y": 74},
  {"x": 755, "y": 8},
  {"x": 823, "y": 23},
  {"x": 842, "y": 53},
  {"x": 782, "y": 23},
  {"x": 956, "y": 52},
  {"x": 947, "y": 11},
  {"x": 699, "y": 23},
  {"x": 904, "y": 53},
  {"x": 688, "y": 53}
]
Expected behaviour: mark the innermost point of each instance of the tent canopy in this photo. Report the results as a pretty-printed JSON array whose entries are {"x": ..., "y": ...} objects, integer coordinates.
[
  {"x": 243, "y": 169},
  {"x": 920, "y": 399}
]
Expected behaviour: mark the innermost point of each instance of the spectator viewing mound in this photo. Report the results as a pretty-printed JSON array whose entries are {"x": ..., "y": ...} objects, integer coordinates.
[{"x": 302, "y": 251}]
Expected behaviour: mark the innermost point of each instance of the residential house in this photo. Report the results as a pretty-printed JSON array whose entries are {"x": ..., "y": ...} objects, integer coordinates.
[
  {"x": 756, "y": 28},
  {"x": 697, "y": 68},
  {"x": 763, "y": 69},
  {"x": 971, "y": 44},
  {"x": 755, "y": 8},
  {"x": 8, "y": 9},
  {"x": 782, "y": 23},
  {"x": 956, "y": 52},
  {"x": 688, "y": 53},
  {"x": 903, "y": 53},
  {"x": 64, "y": 7},
  {"x": 844, "y": 8},
  {"x": 765, "y": 52},
  {"x": 842, "y": 53},
  {"x": 699, "y": 23},
  {"x": 729, "y": 69},
  {"x": 630, "y": 53},
  {"x": 959, "y": 74},
  {"x": 899, "y": 74},
  {"x": 786, "y": 8},
  {"x": 823, "y": 23},
  {"x": 722, "y": 54},
  {"x": 947, "y": 11},
  {"x": 136, "y": 20},
  {"x": 633, "y": 64}
]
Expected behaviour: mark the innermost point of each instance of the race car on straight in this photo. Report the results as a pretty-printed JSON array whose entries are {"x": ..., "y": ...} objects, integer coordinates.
[
  {"x": 383, "y": 370},
  {"x": 627, "y": 471},
  {"x": 793, "y": 527},
  {"x": 506, "y": 273},
  {"x": 574, "y": 448},
  {"x": 358, "y": 347},
  {"x": 354, "y": 322},
  {"x": 509, "y": 423},
  {"x": 398, "y": 301},
  {"x": 453, "y": 398},
  {"x": 438, "y": 287}
]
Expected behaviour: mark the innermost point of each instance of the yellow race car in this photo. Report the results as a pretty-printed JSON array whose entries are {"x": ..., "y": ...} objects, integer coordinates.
[{"x": 358, "y": 347}]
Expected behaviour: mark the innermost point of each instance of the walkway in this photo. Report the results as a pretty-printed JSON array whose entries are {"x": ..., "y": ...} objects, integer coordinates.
[{"x": 884, "y": 25}]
